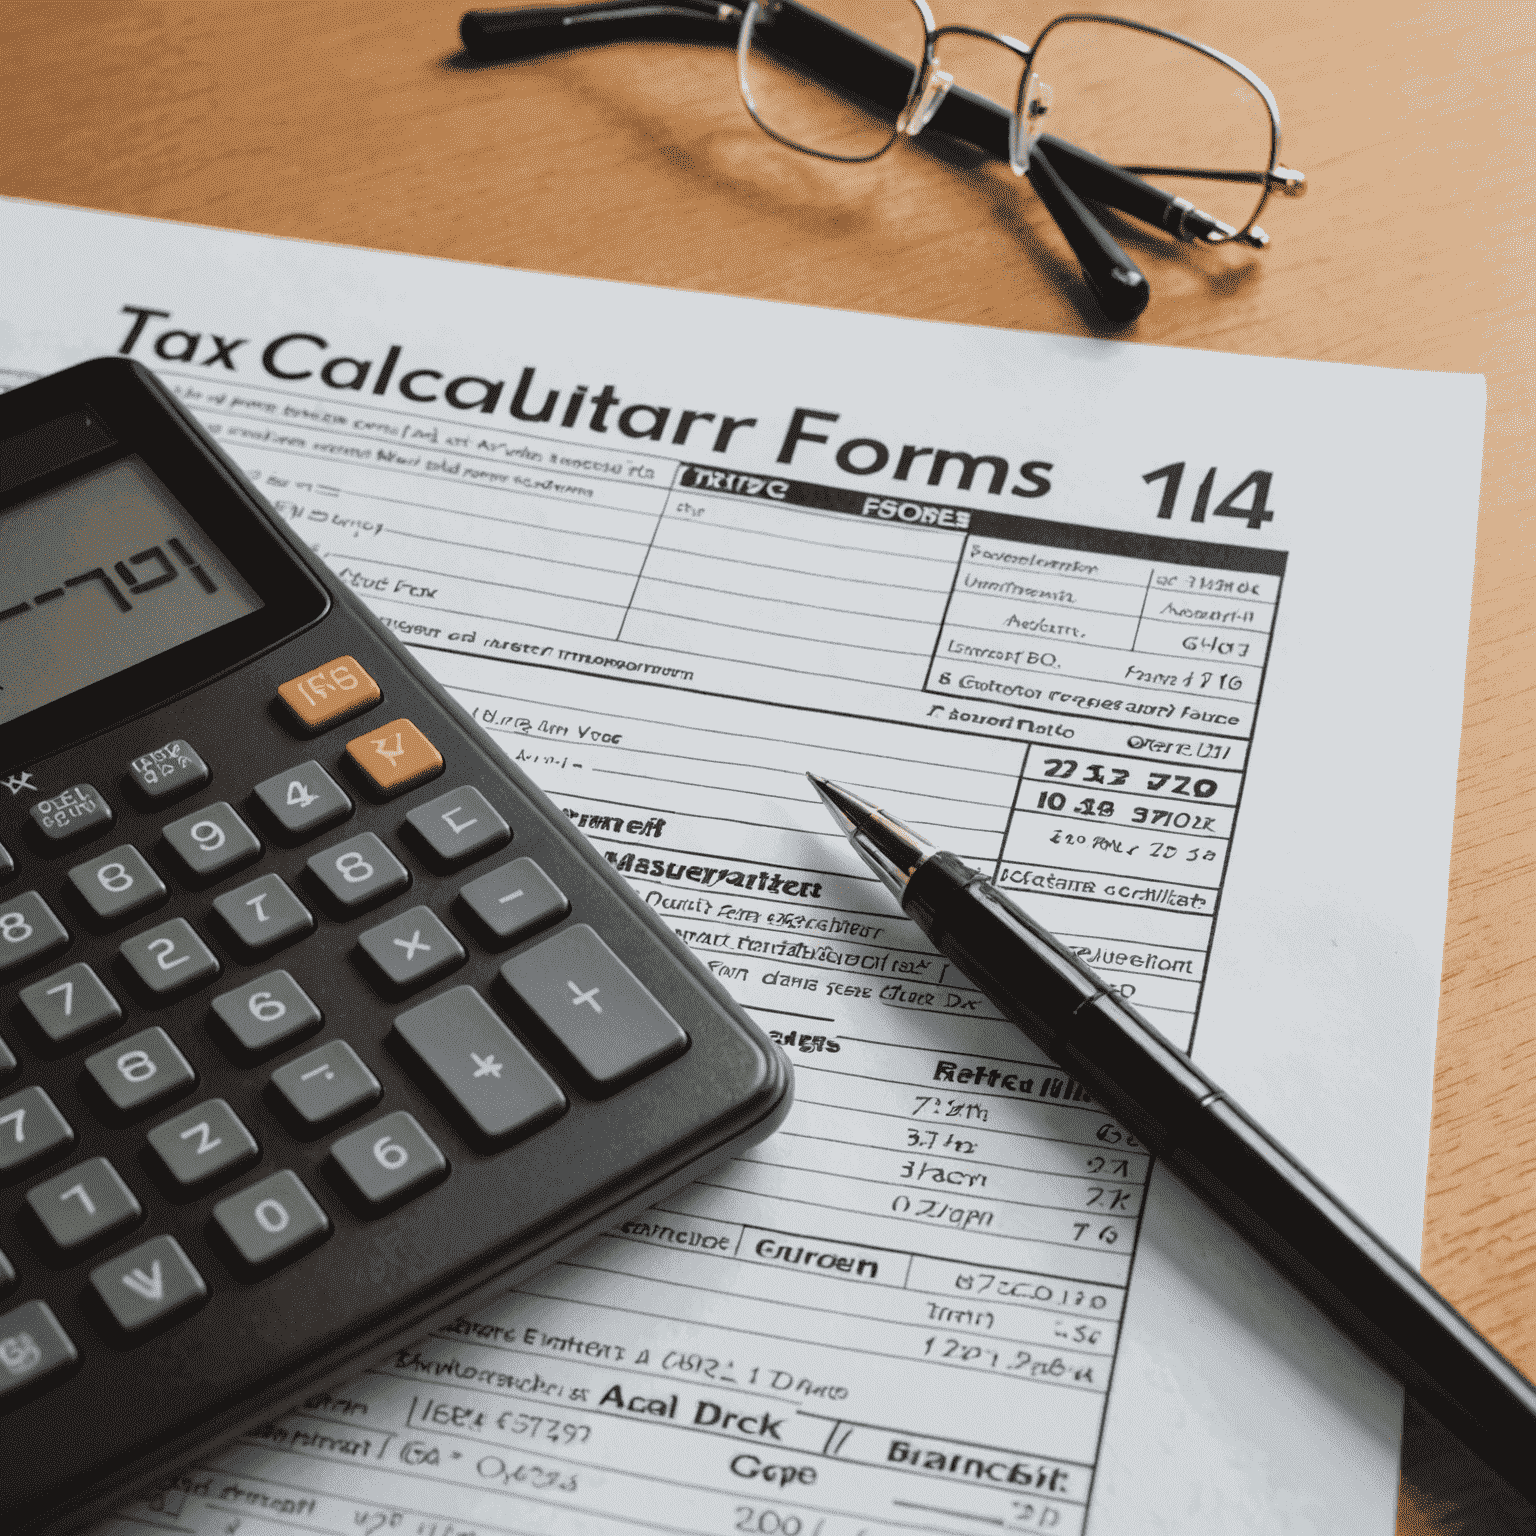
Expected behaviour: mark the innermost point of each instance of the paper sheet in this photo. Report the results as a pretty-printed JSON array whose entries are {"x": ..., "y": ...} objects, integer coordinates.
[{"x": 1171, "y": 642}]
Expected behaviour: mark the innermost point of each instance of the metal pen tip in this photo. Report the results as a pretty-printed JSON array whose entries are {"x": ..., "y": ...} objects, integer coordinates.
[{"x": 892, "y": 850}]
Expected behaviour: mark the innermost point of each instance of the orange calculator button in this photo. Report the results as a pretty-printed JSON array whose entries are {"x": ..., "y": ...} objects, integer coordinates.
[
  {"x": 394, "y": 757},
  {"x": 336, "y": 691}
]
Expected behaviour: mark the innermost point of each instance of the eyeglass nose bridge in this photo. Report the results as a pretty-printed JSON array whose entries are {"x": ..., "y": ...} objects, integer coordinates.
[{"x": 937, "y": 82}]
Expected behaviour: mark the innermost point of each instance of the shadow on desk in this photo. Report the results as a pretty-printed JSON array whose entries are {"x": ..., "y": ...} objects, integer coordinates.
[{"x": 1447, "y": 1491}]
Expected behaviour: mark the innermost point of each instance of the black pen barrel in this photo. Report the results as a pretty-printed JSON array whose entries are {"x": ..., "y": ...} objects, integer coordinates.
[{"x": 1368, "y": 1290}]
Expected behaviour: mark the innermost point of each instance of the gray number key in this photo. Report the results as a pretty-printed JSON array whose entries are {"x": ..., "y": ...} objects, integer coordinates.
[
  {"x": 211, "y": 842},
  {"x": 266, "y": 1014},
  {"x": 117, "y": 884},
  {"x": 358, "y": 873},
  {"x": 514, "y": 900},
  {"x": 275, "y": 1220},
  {"x": 326, "y": 1085},
  {"x": 487, "y": 1073},
  {"x": 28, "y": 931},
  {"x": 204, "y": 1143},
  {"x": 264, "y": 915},
  {"x": 411, "y": 949},
  {"x": 458, "y": 827},
  {"x": 84, "y": 1204},
  {"x": 71, "y": 815},
  {"x": 594, "y": 1007},
  {"x": 167, "y": 773},
  {"x": 169, "y": 959},
  {"x": 31, "y": 1128},
  {"x": 70, "y": 1004},
  {"x": 388, "y": 1161},
  {"x": 33, "y": 1347},
  {"x": 148, "y": 1284},
  {"x": 303, "y": 800},
  {"x": 144, "y": 1070}
]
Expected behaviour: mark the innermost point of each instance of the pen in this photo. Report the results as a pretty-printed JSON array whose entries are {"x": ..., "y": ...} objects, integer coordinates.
[{"x": 1366, "y": 1289}]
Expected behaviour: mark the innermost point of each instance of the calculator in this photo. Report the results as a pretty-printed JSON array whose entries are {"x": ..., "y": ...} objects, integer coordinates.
[{"x": 318, "y": 1022}]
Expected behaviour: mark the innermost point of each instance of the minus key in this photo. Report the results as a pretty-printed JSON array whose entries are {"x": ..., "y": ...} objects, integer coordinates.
[{"x": 512, "y": 901}]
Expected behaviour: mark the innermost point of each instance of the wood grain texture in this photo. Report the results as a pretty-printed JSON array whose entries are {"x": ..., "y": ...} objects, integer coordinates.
[{"x": 352, "y": 122}]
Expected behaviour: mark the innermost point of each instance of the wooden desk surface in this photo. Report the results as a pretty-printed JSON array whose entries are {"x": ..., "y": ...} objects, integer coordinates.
[{"x": 346, "y": 122}]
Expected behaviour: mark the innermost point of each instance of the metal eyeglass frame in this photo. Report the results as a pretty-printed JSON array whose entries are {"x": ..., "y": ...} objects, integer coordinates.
[{"x": 1068, "y": 179}]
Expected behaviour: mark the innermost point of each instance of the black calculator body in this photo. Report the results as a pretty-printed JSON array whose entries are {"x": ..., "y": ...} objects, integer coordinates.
[{"x": 318, "y": 1022}]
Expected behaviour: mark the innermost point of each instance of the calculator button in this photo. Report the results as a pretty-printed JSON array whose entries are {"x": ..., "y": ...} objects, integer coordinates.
[
  {"x": 264, "y": 915},
  {"x": 148, "y": 1284},
  {"x": 480, "y": 1064},
  {"x": 459, "y": 826},
  {"x": 330, "y": 694},
  {"x": 70, "y": 1004},
  {"x": 7, "y": 1273},
  {"x": 167, "y": 773},
  {"x": 71, "y": 816},
  {"x": 273, "y": 1221},
  {"x": 389, "y": 1160},
  {"x": 594, "y": 1006},
  {"x": 117, "y": 884},
  {"x": 303, "y": 800},
  {"x": 144, "y": 1070},
  {"x": 31, "y": 1128},
  {"x": 325, "y": 1086},
  {"x": 170, "y": 958},
  {"x": 394, "y": 757},
  {"x": 33, "y": 1347},
  {"x": 358, "y": 873},
  {"x": 211, "y": 842},
  {"x": 204, "y": 1143},
  {"x": 514, "y": 900},
  {"x": 28, "y": 931},
  {"x": 266, "y": 1014},
  {"x": 83, "y": 1205},
  {"x": 411, "y": 949}
]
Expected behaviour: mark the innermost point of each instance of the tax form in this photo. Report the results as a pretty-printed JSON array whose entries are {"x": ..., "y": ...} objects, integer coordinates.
[{"x": 1171, "y": 643}]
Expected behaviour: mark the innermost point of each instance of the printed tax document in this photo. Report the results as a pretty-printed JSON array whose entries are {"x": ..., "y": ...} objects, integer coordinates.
[{"x": 1169, "y": 642}]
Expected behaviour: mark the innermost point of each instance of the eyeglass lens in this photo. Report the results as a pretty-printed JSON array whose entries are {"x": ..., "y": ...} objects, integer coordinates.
[
  {"x": 1154, "y": 106},
  {"x": 799, "y": 65}
]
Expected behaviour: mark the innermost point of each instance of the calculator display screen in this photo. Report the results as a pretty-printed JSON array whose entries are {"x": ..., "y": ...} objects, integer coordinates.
[{"x": 98, "y": 575}]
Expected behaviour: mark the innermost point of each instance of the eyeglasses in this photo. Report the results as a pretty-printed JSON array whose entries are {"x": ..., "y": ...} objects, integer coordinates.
[{"x": 1142, "y": 121}]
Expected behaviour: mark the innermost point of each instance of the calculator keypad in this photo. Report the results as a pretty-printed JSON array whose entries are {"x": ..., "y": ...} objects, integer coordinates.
[
  {"x": 457, "y": 827},
  {"x": 169, "y": 959},
  {"x": 31, "y": 1129},
  {"x": 359, "y": 873},
  {"x": 593, "y": 1006},
  {"x": 303, "y": 800},
  {"x": 167, "y": 773},
  {"x": 84, "y": 1205},
  {"x": 411, "y": 949},
  {"x": 394, "y": 757},
  {"x": 203, "y": 1144},
  {"x": 71, "y": 816},
  {"x": 135, "y": 1074},
  {"x": 211, "y": 842},
  {"x": 118, "y": 884},
  {"x": 70, "y": 1005},
  {"x": 263, "y": 915},
  {"x": 267, "y": 1014},
  {"x": 454, "y": 1045},
  {"x": 488, "y": 1076},
  {"x": 325, "y": 1086},
  {"x": 386, "y": 1162},
  {"x": 271, "y": 1222},
  {"x": 28, "y": 931},
  {"x": 33, "y": 1347},
  {"x": 148, "y": 1284}
]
